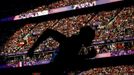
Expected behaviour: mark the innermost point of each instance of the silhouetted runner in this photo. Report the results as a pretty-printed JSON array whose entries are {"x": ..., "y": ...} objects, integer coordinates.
[{"x": 67, "y": 57}]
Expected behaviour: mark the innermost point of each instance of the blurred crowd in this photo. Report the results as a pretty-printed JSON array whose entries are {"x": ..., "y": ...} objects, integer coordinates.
[
  {"x": 114, "y": 31},
  {"x": 23, "y": 39},
  {"x": 58, "y": 4},
  {"x": 38, "y": 59},
  {"x": 62, "y": 3},
  {"x": 112, "y": 70},
  {"x": 115, "y": 47},
  {"x": 110, "y": 27}
]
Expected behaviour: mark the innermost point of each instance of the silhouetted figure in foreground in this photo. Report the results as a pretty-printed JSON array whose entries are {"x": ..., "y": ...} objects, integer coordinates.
[{"x": 67, "y": 57}]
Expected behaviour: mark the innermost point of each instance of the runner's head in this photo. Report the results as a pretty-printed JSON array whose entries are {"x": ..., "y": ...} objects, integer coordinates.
[{"x": 86, "y": 35}]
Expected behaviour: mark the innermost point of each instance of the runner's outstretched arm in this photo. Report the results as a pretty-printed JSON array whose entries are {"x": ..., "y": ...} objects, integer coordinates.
[{"x": 48, "y": 33}]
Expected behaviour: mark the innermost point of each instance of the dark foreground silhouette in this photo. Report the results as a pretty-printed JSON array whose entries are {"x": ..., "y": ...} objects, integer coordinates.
[{"x": 67, "y": 58}]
